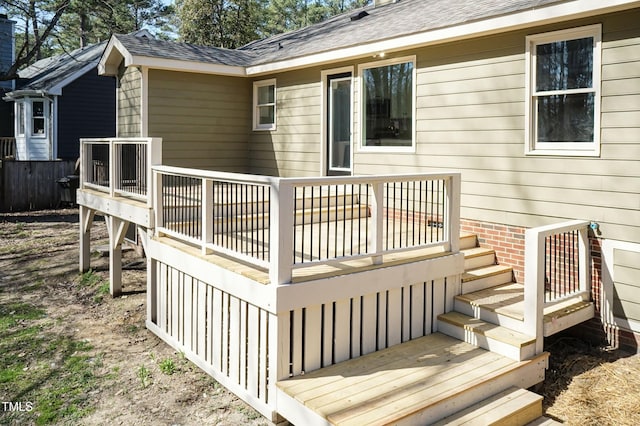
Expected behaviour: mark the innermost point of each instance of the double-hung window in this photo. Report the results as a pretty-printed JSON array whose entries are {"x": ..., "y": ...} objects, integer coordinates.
[
  {"x": 388, "y": 105},
  {"x": 264, "y": 105},
  {"x": 563, "y": 92}
]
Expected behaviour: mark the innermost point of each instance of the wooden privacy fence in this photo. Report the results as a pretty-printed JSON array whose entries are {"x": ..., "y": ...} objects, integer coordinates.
[{"x": 32, "y": 185}]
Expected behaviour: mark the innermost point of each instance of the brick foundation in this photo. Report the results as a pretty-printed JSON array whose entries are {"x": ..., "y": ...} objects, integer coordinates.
[{"x": 508, "y": 243}]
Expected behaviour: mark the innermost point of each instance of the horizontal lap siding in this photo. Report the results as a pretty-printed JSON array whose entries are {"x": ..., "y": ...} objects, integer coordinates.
[
  {"x": 129, "y": 106},
  {"x": 293, "y": 149},
  {"x": 471, "y": 118},
  {"x": 203, "y": 120}
]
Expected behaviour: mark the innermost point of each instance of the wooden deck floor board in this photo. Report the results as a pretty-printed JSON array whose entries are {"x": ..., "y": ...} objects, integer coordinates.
[
  {"x": 397, "y": 377},
  {"x": 396, "y": 382}
]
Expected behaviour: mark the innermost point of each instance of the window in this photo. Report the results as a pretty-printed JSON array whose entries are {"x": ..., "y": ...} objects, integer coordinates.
[
  {"x": 388, "y": 105},
  {"x": 264, "y": 101},
  {"x": 20, "y": 118},
  {"x": 563, "y": 102},
  {"x": 38, "y": 116}
]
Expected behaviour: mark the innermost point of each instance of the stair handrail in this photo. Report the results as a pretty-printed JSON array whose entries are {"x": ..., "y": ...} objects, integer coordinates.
[{"x": 536, "y": 278}]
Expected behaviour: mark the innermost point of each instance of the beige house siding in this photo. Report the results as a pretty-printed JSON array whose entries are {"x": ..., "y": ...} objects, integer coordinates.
[
  {"x": 129, "y": 102},
  {"x": 470, "y": 117},
  {"x": 626, "y": 270},
  {"x": 293, "y": 149},
  {"x": 204, "y": 120}
]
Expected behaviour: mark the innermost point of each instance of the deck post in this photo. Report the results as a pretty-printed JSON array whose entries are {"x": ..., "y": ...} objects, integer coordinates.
[
  {"x": 377, "y": 217},
  {"x": 112, "y": 166},
  {"x": 534, "y": 286},
  {"x": 154, "y": 154},
  {"x": 281, "y": 212},
  {"x": 453, "y": 212},
  {"x": 86, "y": 220},
  {"x": 117, "y": 230},
  {"x": 207, "y": 215},
  {"x": 584, "y": 272}
]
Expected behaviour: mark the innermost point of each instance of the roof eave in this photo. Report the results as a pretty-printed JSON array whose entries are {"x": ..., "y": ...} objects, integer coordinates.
[
  {"x": 187, "y": 66},
  {"x": 570, "y": 10}
]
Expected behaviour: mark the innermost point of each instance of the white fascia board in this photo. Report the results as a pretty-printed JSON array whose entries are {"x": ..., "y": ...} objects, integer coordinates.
[
  {"x": 106, "y": 65},
  {"x": 544, "y": 15},
  {"x": 186, "y": 66},
  {"x": 57, "y": 89}
]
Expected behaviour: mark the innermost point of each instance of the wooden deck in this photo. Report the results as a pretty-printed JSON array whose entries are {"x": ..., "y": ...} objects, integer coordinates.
[{"x": 417, "y": 382}]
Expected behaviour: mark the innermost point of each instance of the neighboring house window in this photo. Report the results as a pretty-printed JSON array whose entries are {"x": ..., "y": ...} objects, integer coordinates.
[
  {"x": 38, "y": 117},
  {"x": 20, "y": 118},
  {"x": 563, "y": 102},
  {"x": 264, "y": 102},
  {"x": 388, "y": 105}
]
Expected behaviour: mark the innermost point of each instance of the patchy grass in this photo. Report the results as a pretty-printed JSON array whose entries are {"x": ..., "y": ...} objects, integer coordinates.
[{"x": 49, "y": 373}]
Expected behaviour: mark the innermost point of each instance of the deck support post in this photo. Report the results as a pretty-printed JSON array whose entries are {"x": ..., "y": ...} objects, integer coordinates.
[
  {"x": 117, "y": 230},
  {"x": 152, "y": 276},
  {"x": 86, "y": 220}
]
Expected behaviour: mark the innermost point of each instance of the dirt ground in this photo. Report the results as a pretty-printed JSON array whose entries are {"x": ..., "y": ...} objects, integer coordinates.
[{"x": 137, "y": 379}]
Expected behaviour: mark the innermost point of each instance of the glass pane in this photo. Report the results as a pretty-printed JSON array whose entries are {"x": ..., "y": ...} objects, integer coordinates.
[
  {"x": 21, "y": 118},
  {"x": 266, "y": 94},
  {"x": 266, "y": 114},
  {"x": 340, "y": 129},
  {"x": 564, "y": 65},
  {"x": 566, "y": 118},
  {"x": 388, "y": 92},
  {"x": 38, "y": 126},
  {"x": 38, "y": 109}
]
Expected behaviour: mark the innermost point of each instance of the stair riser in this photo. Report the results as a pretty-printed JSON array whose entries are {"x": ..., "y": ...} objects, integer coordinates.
[
  {"x": 479, "y": 261},
  {"x": 488, "y": 316},
  {"x": 486, "y": 282},
  {"x": 510, "y": 351},
  {"x": 468, "y": 242},
  {"x": 524, "y": 377}
]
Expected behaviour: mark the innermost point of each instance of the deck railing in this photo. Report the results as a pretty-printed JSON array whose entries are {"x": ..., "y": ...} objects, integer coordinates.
[
  {"x": 282, "y": 224},
  {"x": 556, "y": 270},
  {"x": 7, "y": 147},
  {"x": 119, "y": 166}
]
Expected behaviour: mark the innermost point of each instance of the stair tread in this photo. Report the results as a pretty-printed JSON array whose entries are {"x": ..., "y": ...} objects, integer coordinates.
[
  {"x": 489, "y": 330},
  {"x": 485, "y": 271},
  {"x": 505, "y": 299},
  {"x": 477, "y": 251},
  {"x": 503, "y": 405},
  {"x": 566, "y": 308}
]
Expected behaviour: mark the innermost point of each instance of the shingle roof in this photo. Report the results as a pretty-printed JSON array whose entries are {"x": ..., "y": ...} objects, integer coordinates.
[
  {"x": 400, "y": 18},
  {"x": 48, "y": 73},
  {"x": 150, "y": 47},
  {"x": 404, "y": 17}
]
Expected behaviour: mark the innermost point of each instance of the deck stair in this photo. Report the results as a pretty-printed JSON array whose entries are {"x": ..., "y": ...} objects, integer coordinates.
[
  {"x": 489, "y": 310},
  {"x": 419, "y": 382},
  {"x": 511, "y": 407}
]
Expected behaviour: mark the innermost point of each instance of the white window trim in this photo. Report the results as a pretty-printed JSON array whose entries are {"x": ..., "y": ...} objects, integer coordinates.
[
  {"x": 256, "y": 115},
  {"x": 584, "y": 149},
  {"x": 324, "y": 119},
  {"x": 361, "y": 147},
  {"x": 45, "y": 117}
]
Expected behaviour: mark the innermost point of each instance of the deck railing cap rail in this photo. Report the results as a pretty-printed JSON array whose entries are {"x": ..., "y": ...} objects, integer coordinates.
[
  {"x": 210, "y": 174},
  {"x": 558, "y": 228},
  {"x": 300, "y": 181},
  {"x": 117, "y": 140}
]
